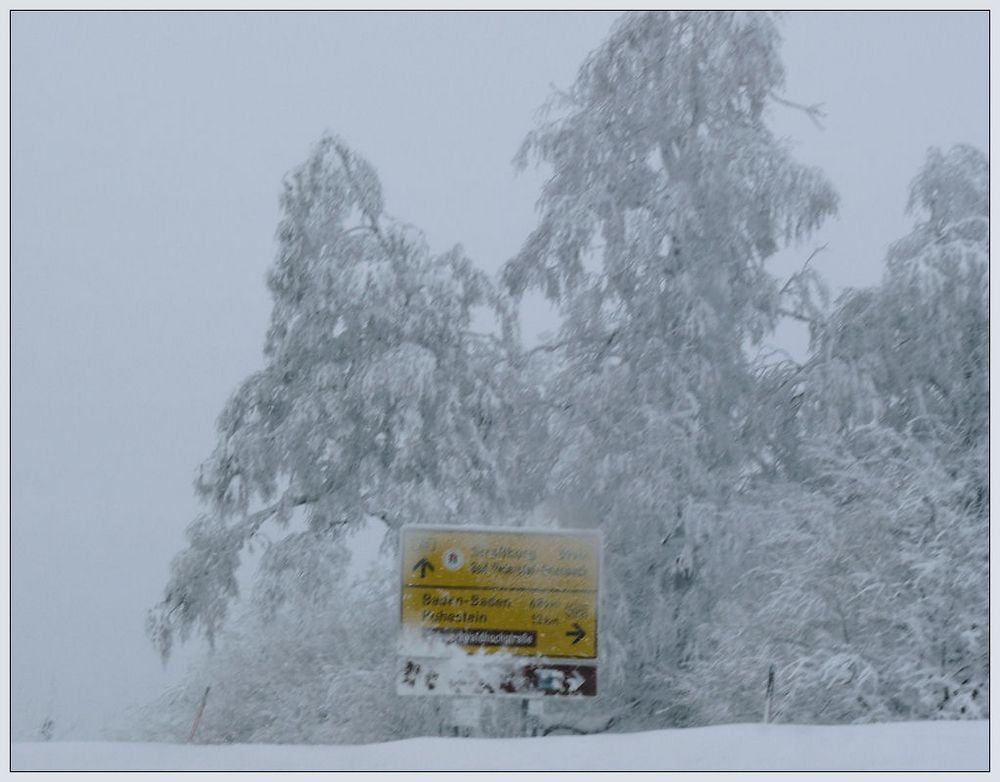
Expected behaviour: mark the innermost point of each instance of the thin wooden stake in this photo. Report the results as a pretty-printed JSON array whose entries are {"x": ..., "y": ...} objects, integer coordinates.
[
  {"x": 197, "y": 717},
  {"x": 769, "y": 693}
]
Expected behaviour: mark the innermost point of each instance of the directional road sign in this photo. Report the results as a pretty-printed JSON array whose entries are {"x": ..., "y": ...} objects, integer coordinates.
[
  {"x": 518, "y": 605},
  {"x": 526, "y": 592}
]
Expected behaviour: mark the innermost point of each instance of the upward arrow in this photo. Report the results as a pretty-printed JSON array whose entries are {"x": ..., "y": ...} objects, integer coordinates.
[{"x": 423, "y": 566}]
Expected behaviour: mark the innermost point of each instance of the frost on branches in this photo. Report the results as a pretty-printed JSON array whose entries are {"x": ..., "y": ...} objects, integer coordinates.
[
  {"x": 374, "y": 402},
  {"x": 825, "y": 520},
  {"x": 865, "y": 582},
  {"x": 667, "y": 196},
  {"x": 906, "y": 442}
]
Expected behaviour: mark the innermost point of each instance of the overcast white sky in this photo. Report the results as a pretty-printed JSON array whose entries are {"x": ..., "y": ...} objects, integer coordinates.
[{"x": 146, "y": 156}]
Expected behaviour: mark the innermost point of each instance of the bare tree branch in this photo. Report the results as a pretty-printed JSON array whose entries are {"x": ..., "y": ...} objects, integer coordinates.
[
  {"x": 814, "y": 112},
  {"x": 805, "y": 266}
]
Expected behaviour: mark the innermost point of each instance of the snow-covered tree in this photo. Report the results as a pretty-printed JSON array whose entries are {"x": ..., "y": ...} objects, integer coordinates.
[
  {"x": 827, "y": 519},
  {"x": 668, "y": 194},
  {"x": 375, "y": 401},
  {"x": 868, "y": 598},
  {"x": 867, "y": 587},
  {"x": 915, "y": 347},
  {"x": 902, "y": 371},
  {"x": 310, "y": 671}
]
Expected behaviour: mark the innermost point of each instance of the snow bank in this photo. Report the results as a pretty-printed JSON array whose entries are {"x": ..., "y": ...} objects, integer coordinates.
[{"x": 903, "y": 746}]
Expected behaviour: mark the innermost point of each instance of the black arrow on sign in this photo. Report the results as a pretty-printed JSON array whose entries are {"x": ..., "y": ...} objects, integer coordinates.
[
  {"x": 576, "y": 634},
  {"x": 423, "y": 565}
]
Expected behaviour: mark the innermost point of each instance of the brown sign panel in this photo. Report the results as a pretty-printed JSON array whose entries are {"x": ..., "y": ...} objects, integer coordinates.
[
  {"x": 552, "y": 680},
  {"x": 532, "y": 680}
]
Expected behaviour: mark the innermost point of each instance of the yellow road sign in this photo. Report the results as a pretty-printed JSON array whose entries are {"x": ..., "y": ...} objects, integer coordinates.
[{"x": 526, "y": 592}]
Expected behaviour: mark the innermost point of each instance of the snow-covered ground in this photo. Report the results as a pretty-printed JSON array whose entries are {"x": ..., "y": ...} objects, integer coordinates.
[{"x": 902, "y": 746}]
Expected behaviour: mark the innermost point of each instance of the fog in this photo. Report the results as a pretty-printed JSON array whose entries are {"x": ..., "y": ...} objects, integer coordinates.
[{"x": 147, "y": 152}]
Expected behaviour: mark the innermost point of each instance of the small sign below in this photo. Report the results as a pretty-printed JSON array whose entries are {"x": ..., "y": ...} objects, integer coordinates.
[{"x": 430, "y": 676}]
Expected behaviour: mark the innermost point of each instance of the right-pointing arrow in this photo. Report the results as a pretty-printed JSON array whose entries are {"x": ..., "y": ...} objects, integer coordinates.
[{"x": 577, "y": 633}]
